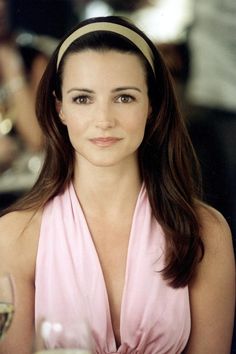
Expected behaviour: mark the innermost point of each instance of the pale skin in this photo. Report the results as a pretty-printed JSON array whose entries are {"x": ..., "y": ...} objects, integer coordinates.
[{"x": 113, "y": 104}]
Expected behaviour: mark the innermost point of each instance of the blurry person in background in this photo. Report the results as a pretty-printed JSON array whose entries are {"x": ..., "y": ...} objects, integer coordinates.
[
  {"x": 8, "y": 147},
  {"x": 211, "y": 98},
  {"x": 211, "y": 103},
  {"x": 16, "y": 95},
  {"x": 20, "y": 135},
  {"x": 28, "y": 35}
]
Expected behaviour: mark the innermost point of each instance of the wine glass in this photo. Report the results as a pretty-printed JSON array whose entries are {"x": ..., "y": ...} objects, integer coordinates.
[
  {"x": 53, "y": 332},
  {"x": 6, "y": 303}
]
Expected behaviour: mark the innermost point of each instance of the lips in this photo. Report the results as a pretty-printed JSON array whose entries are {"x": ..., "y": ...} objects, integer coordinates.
[{"x": 103, "y": 142}]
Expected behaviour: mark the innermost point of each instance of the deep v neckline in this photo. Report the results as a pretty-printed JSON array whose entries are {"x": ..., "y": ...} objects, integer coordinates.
[
  {"x": 75, "y": 200},
  {"x": 154, "y": 317}
]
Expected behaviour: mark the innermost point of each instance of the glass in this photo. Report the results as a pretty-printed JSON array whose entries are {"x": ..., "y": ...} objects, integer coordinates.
[
  {"x": 54, "y": 332},
  {"x": 6, "y": 304}
]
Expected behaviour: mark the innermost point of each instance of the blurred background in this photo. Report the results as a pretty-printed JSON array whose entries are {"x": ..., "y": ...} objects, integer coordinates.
[{"x": 197, "y": 39}]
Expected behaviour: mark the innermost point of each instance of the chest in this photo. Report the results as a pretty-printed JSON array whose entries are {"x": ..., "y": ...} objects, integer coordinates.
[
  {"x": 86, "y": 268},
  {"x": 111, "y": 242}
]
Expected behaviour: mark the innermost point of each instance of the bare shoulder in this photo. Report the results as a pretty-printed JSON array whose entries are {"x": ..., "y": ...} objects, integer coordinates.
[
  {"x": 19, "y": 216},
  {"x": 19, "y": 232},
  {"x": 218, "y": 244},
  {"x": 19, "y": 223},
  {"x": 215, "y": 230}
]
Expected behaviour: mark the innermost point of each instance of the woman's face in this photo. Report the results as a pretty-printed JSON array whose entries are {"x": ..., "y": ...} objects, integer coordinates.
[{"x": 105, "y": 106}]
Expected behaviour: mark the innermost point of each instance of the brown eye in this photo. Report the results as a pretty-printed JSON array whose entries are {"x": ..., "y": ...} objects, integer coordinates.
[
  {"x": 125, "y": 99},
  {"x": 82, "y": 99}
]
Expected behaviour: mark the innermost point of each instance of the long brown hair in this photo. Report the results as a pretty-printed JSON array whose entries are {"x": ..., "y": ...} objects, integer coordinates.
[{"x": 167, "y": 161}]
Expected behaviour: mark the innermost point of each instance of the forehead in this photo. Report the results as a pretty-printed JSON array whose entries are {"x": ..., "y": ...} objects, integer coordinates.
[{"x": 95, "y": 64}]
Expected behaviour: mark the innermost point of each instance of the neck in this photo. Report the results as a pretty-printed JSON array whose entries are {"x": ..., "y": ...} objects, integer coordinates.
[{"x": 107, "y": 190}]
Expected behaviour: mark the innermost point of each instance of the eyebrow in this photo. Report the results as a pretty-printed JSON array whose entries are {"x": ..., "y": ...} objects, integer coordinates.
[
  {"x": 118, "y": 89},
  {"x": 80, "y": 89},
  {"x": 126, "y": 88}
]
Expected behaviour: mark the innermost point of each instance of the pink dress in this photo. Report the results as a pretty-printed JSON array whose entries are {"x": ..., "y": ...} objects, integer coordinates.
[{"x": 70, "y": 287}]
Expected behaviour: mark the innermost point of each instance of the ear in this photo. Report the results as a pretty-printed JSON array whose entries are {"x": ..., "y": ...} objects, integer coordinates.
[{"x": 59, "y": 110}]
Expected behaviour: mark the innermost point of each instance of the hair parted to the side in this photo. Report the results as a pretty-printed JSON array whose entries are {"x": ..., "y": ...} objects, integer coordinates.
[{"x": 167, "y": 161}]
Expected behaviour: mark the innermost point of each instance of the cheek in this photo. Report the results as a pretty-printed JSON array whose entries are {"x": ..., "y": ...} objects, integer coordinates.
[
  {"x": 74, "y": 123},
  {"x": 137, "y": 123},
  {"x": 76, "y": 131}
]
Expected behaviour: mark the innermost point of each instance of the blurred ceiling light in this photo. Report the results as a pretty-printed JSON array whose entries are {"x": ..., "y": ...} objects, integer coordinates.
[
  {"x": 161, "y": 20},
  {"x": 165, "y": 20},
  {"x": 97, "y": 8}
]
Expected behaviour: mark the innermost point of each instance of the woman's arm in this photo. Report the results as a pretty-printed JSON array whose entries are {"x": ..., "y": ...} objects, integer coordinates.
[
  {"x": 17, "y": 256},
  {"x": 212, "y": 291}
]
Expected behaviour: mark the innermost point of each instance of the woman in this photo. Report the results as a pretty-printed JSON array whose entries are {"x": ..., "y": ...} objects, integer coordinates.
[{"x": 113, "y": 230}]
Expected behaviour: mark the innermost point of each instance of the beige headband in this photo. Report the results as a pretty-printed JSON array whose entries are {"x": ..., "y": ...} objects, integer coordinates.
[{"x": 134, "y": 37}]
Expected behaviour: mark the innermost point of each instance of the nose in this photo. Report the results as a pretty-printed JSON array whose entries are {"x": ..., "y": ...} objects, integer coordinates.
[{"x": 104, "y": 117}]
